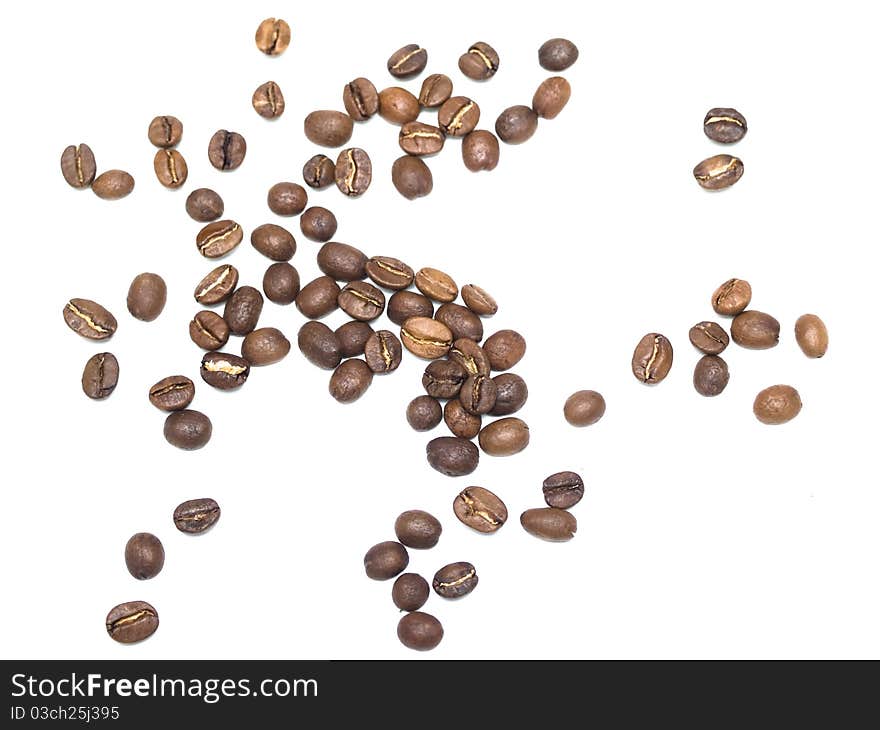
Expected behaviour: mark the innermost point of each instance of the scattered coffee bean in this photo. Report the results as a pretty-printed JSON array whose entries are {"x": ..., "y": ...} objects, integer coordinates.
[
  {"x": 426, "y": 338},
  {"x": 196, "y": 515},
  {"x": 350, "y": 380},
  {"x": 113, "y": 185},
  {"x": 328, "y": 128},
  {"x": 342, "y": 262},
  {"x": 224, "y": 371},
  {"x": 405, "y": 304},
  {"x": 549, "y": 523},
  {"x": 718, "y": 172},
  {"x": 461, "y": 320},
  {"x": 458, "y": 116},
  {"x": 436, "y": 285},
  {"x": 424, "y": 413},
  {"x": 165, "y": 131},
  {"x": 455, "y": 580},
  {"x": 318, "y": 298},
  {"x": 777, "y": 404},
  {"x": 811, "y": 335},
  {"x": 408, "y": 61},
  {"x": 480, "y": 509},
  {"x": 209, "y": 330},
  {"x": 709, "y": 337},
  {"x": 419, "y": 631},
  {"x": 504, "y": 437},
  {"x": 134, "y": 621},
  {"x": 652, "y": 358},
  {"x": 268, "y": 101},
  {"x": 243, "y": 309},
  {"x": 219, "y": 238},
  {"x": 557, "y": 54},
  {"x": 204, "y": 205},
  {"x": 226, "y": 150},
  {"x": 480, "y": 150},
  {"x": 461, "y": 423},
  {"x": 725, "y": 125},
  {"x": 505, "y": 349},
  {"x": 144, "y": 556},
  {"x": 477, "y": 394},
  {"x": 353, "y": 337},
  {"x": 101, "y": 374},
  {"x": 412, "y": 177},
  {"x": 511, "y": 394},
  {"x": 281, "y": 283},
  {"x": 173, "y": 393},
  {"x": 318, "y": 224},
  {"x": 551, "y": 97},
  {"x": 417, "y": 529},
  {"x": 287, "y": 198},
  {"x": 78, "y": 165},
  {"x": 360, "y": 98},
  {"x": 470, "y": 356},
  {"x": 146, "y": 297},
  {"x": 480, "y": 62},
  {"x": 418, "y": 138},
  {"x": 361, "y": 300},
  {"x": 710, "y": 375},
  {"x": 273, "y": 242},
  {"x": 383, "y": 352},
  {"x": 354, "y": 172},
  {"x": 453, "y": 456},
  {"x": 389, "y": 273},
  {"x": 170, "y": 168},
  {"x": 273, "y": 36},
  {"x": 478, "y": 300},
  {"x": 755, "y": 330},
  {"x": 436, "y": 89},
  {"x": 410, "y": 592},
  {"x": 89, "y": 319},
  {"x": 320, "y": 345},
  {"x": 319, "y": 172},
  {"x": 732, "y": 297},
  {"x": 187, "y": 429},
  {"x": 265, "y": 346},
  {"x": 385, "y": 560},
  {"x": 516, "y": 124},
  {"x": 563, "y": 490},
  {"x": 217, "y": 286},
  {"x": 584, "y": 408}
]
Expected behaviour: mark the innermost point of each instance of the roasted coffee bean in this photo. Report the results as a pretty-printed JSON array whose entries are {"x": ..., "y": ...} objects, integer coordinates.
[
  {"x": 405, "y": 304},
  {"x": 480, "y": 150},
  {"x": 551, "y": 97},
  {"x": 436, "y": 89},
  {"x": 274, "y": 242},
  {"x": 319, "y": 172},
  {"x": 224, "y": 371},
  {"x": 419, "y": 631},
  {"x": 459, "y": 422},
  {"x": 412, "y": 177},
  {"x": 273, "y": 36},
  {"x": 557, "y": 54},
  {"x": 320, "y": 345},
  {"x": 480, "y": 62},
  {"x": 134, "y": 621},
  {"x": 461, "y": 320},
  {"x": 732, "y": 297},
  {"x": 436, "y": 284},
  {"x": 455, "y": 580},
  {"x": 718, "y": 172},
  {"x": 443, "y": 379},
  {"x": 511, "y": 394},
  {"x": 354, "y": 172},
  {"x": 478, "y": 300},
  {"x": 516, "y": 124},
  {"x": 424, "y": 413},
  {"x": 318, "y": 298},
  {"x": 217, "y": 286},
  {"x": 811, "y": 335},
  {"x": 417, "y": 138},
  {"x": 453, "y": 456},
  {"x": 353, "y": 337},
  {"x": 89, "y": 319},
  {"x": 204, "y": 205},
  {"x": 563, "y": 490},
  {"x": 78, "y": 165},
  {"x": 318, "y": 224},
  {"x": 389, "y": 272},
  {"x": 361, "y": 300},
  {"x": 170, "y": 168},
  {"x": 725, "y": 125},
  {"x": 209, "y": 330},
  {"x": 173, "y": 393},
  {"x": 710, "y": 375},
  {"x": 342, "y": 262},
  {"x": 360, "y": 98},
  {"x": 350, "y": 380},
  {"x": 113, "y": 184},
  {"x": 777, "y": 404},
  {"x": 226, "y": 150},
  {"x": 549, "y": 523},
  {"x": 709, "y": 337},
  {"x": 408, "y": 61},
  {"x": 410, "y": 592},
  {"x": 417, "y": 529},
  {"x": 287, "y": 198},
  {"x": 265, "y": 346},
  {"x": 281, "y": 283},
  {"x": 146, "y": 297},
  {"x": 385, "y": 560},
  {"x": 477, "y": 394},
  {"x": 383, "y": 352},
  {"x": 219, "y": 238},
  {"x": 243, "y": 309},
  {"x": 470, "y": 356},
  {"x": 504, "y": 437},
  {"x": 458, "y": 116},
  {"x": 584, "y": 408},
  {"x": 505, "y": 349},
  {"x": 268, "y": 101},
  {"x": 165, "y": 131},
  {"x": 755, "y": 330},
  {"x": 101, "y": 374},
  {"x": 187, "y": 429},
  {"x": 480, "y": 509},
  {"x": 144, "y": 555},
  {"x": 426, "y": 338},
  {"x": 328, "y": 128},
  {"x": 196, "y": 515},
  {"x": 652, "y": 358}
]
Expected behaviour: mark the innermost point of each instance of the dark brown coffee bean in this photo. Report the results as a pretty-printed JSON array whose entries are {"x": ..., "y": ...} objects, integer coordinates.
[
  {"x": 470, "y": 356},
  {"x": 287, "y": 198},
  {"x": 354, "y": 172},
  {"x": 173, "y": 393},
  {"x": 811, "y": 335},
  {"x": 268, "y": 101},
  {"x": 652, "y": 358},
  {"x": 265, "y": 346},
  {"x": 732, "y": 297},
  {"x": 584, "y": 408},
  {"x": 204, "y": 205},
  {"x": 318, "y": 224},
  {"x": 273, "y": 36},
  {"x": 410, "y": 592},
  {"x": 389, "y": 272},
  {"x": 217, "y": 286},
  {"x": 459, "y": 422},
  {"x": 480, "y": 509},
  {"x": 549, "y": 523},
  {"x": 187, "y": 429},
  {"x": 436, "y": 89},
  {"x": 504, "y": 437},
  {"x": 196, "y": 515},
  {"x": 170, "y": 168},
  {"x": 477, "y": 394},
  {"x": 360, "y": 98},
  {"x": 101, "y": 374},
  {"x": 777, "y": 404},
  {"x": 320, "y": 345},
  {"x": 274, "y": 242},
  {"x": 408, "y": 61},
  {"x": 458, "y": 116},
  {"x": 557, "y": 54},
  {"x": 419, "y": 631},
  {"x": 353, "y": 337},
  {"x": 113, "y": 184},
  {"x": 350, "y": 380},
  {"x": 219, "y": 238},
  {"x": 318, "y": 298},
  {"x": 412, "y": 177},
  {"x": 319, "y": 172},
  {"x": 551, "y": 97},
  {"x": 478, "y": 300},
  {"x": 436, "y": 284},
  {"x": 134, "y": 621},
  {"x": 89, "y": 319},
  {"x": 383, "y": 352},
  {"x": 226, "y": 150},
  {"x": 78, "y": 165},
  {"x": 165, "y": 131},
  {"x": 453, "y": 456},
  {"x": 146, "y": 297},
  {"x": 455, "y": 580},
  {"x": 563, "y": 490},
  {"x": 718, "y": 172},
  {"x": 144, "y": 555},
  {"x": 709, "y": 337},
  {"x": 243, "y": 309},
  {"x": 361, "y": 300},
  {"x": 405, "y": 304},
  {"x": 209, "y": 330},
  {"x": 417, "y": 529},
  {"x": 443, "y": 379},
  {"x": 224, "y": 371},
  {"x": 385, "y": 560},
  {"x": 480, "y": 62},
  {"x": 511, "y": 394},
  {"x": 710, "y": 375},
  {"x": 417, "y": 138},
  {"x": 426, "y": 338},
  {"x": 424, "y": 413},
  {"x": 328, "y": 128},
  {"x": 505, "y": 349},
  {"x": 281, "y": 283},
  {"x": 755, "y": 330},
  {"x": 516, "y": 124},
  {"x": 480, "y": 150},
  {"x": 342, "y": 262},
  {"x": 725, "y": 125},
  {"x": 461, "y": 320}
]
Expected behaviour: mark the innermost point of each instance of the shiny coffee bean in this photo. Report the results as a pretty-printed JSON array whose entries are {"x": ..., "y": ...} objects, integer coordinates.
[
  {"x": 318, "y": 224},
  {"x": 273, "y": 242},
  {"x": 584, "y": 408},
  {"x": 480, "y": 509},
  {"x": 516, "y": 124},
  {"x": 287, "y": 198},
  {"x": 480, "y": 150},
  {"x": 418, "y": 138},
  {"x": 173, "y": 393},
  {"x": 480, "y": 62},
  {"x": 209, "y": 330},
  {"x": 557, "y": 54},
  {"x": 204, "y": 205},
  {"x": 478, "y": 300},
  {"x": 426, "y": 338},
  {"x": 273, "y": 36},
  {"x": 755, "y": 330},
  {"x": 78, "y": 165},
  {"x": 811, "y": 335},
  {"x": 478, "y": 394},
  {"x": 458, "y": 116},
  {"x": 455, "y": 580},
  {"x": 777, "y": 404},
  {"x": 419, "y": 631},
  {"x": 405, "y": 304},
  {"x": 417, "y": 529},
  {"x": 436, "y": 285},
  {"x": 144, "y": 556},
  {"x": 710, "y": 375},
  {"x": 268, "y": 101},
  {"x": 320, "y": 345},
  {"x": 398, "y": 106},
  {"x": 362, "y": 301},
  {"x": 453, "y": 456},
  {"x": 408, "y": 61},
  {"x": 459, "y": 422},
  {"x": 718, "y": 172},
  {"x": 725, "y": 125},
  {"x": 436, "y": 89},
  {"x": 165, "y": 131},
  {"x": 328, "y": 128},
  {"x": 243, "y": 309},
  {"x": 354, "y": 172},
  {"x": 709, "y": 338},
  {"x": 470, "y": 356},
  {"x": 196, "y": 515},
  {"x": 424, "y": 413},
  {"x": 226, "y": 150},
  {"x": 504, "y": 437},
  {"x": 89, "y": 319},
  {"x": 389, "y": 273},
  {"x": 385, "y": 560},
  {"x": 652, "y": 358},
  {"x": 410, "y": 592},
  {"x": 224, "y": 371},
  {"x": 219, "y": 238},
  {"x": 549, "y": 523},
  {"x": 265, "y": 346},
  {"x": 146, "y": 297},
  {"x": 443, "y": 379},
  {"x": 461, "y": 320},
  {"x": 732, "y": 297},
  {"x": 319, "y": 172},
  {"x": 281, "y": 283},
  {"x": 217, "y": 286},
  {"x": 383, "y": 352},
  {"x": 563, "y": 490},
  {"x": 187, "y": 429},
  {"x": 505, "y": 349},
  {"x": 134, "y": 621},
  {"x": 353, "y": 337},
  {"x": 318, "y": 298},
  {"x": 170, "y": 168},
  {"x": 511, "y": 394},
  {"x": 113, "y": 184},
  {"x": 342, "y": 262},
  {"x": 551, "y": 97},
  {"x": 350, "y": 380},
  {"x": 412, "y": 177},
  {"x": 360, "y": 98},
  {"x": 101, "y": 374}
]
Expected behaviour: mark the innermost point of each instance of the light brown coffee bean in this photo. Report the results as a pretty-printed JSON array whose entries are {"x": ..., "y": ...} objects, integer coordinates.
[
  {"x": 652, "y": 358},
  {"x": 426, "y": 338},
  {"x": 549, "y": 523},
  {"x": 459, "y": 422},
  {"x": 219, "y": 238},
  {"x": 113, "y": 185},
  {"x": 505, "y": 349},
  {"x": 319, "y": 172},
  {"x": 480, "y": 509},
  {"x": 718, "y": 172},
  {"x": 146, "y": 297},
  {"x": 811, "y": 335},
  {"x": 265, "y": 346},
  {"x": 328, "y": 128},
  {"x": 458, "y": 116},
  {"x": 470, "y": 356},
  {"x": 777, "y": 404},
  {"x": 584, "y": 408},
  {"x": 78, "y": 165},
  {"x": 204, "y": 205},
  {"x": 273, "y": 242},
  {"x": 89, "y": 319},
  {"x": 551, "y": 97},
  {"x": 436, "y": 89},
  {"x": 516, "y": 124},
  {"x": 478, "y": 300},
  {"x": 755, "y": 330},
  {"x": 165, "y": 131},
  {"x": 710, "y": 375},
  {"x": 268, "y": 101},
  {"x": 709, "y": 337},
  {"x": 480, "y": 150},
  {"x": 390, "y": 273},
  {"x": 732, "y": 297},
  {"x": 461, "y": 320},
  {"x": 173, "y": 393},
  {"x": 354, "y": 172},
  {"x": 360, "y": 98},
  {"x": 412, "y": 177},
  {"x": 504, "y": 437},
  {"x": 418, "y": 138},
  {"x": 226, "y": 150},
  {"x": 287, "y": 199},
  {"x": 209, "y": 330},
  {"x": 273, "y": 36},
  {"x": 243, "y": 309},
  {"x": 398, "y": 106},
  {"x": 217, "y": 286},
  {"x": 480, "y": 62},
  {"x": 436, "y": 285},
  {"x": 170, "y": 168},
  {"x": 408, "y": 61},
  {"x": 101, "y": 375},
  {"x": 362, "y": 301},
  {"x": 134, "y": 621}
]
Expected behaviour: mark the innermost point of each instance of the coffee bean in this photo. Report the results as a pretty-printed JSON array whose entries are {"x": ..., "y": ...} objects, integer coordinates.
[
  {"x": 417, "y": 138},
  {"x": 477, "y": 394},
  {"x": 243, "y": 309},
  {"x": 426, "y": 338},
  {"x": 319, "y": 172},
  {"x": 170, "y": 168},
  {"x": 755, "y": 330},
  {"x": 354, "y": 172},
  {"x": 204, "y": 205},
  {"x": 725, "y": 125},
  {"x": 350, "y": 380},
  {"x": 219, "y": 238},
  {"x": 389, "y": 272},
  {"x": 458, "y": 116},
  {"x": 511, "y": 394},
  {"x": 436, "y": 89},
  {"x": 217, "y": 286},
  {"x": 557, "y": 54},
  {"x": 777, "y": 404},
  {"x": 516, "y": 124},
  {"x": 453, "y": 456},
  {"x": 318, "y": 224},
  {"x": 443, "y": 379},
  {"x": 360, "y": 98},
  {"x": 385, "y": 560},
  {"x": 718, "y": 172},
  {"x": 410, "y": 592},
  {"x": 320, "y": 345},
  {"x": 281, "y": 283},
  {"x": 480, "y": 62},
  {"x": 563, "y": 490},
  {"x": 405, "y": 304},
  {"x": 424, "y": 413},
  {"x": 811, "y": 335},
  {"x": 342, "y": 262},
  {"x": 551, "y": 97},
  {"x": 709, "y": 337},
  {"x": 470, "y": 356},
  {"x": 328, "y": 128},
  {"x": 480, "y": 150},
  {"x": 412, "y": 177},
  {"x": 287, "y": 198},
  {"x": 478, "y": 300},
  {"x": 265, "y": 346},
  {"x": 419, "y": 631},
  {"x": 273, "y": 36},
  {"x": 196, "y": 515},
  {"x": 383, "y": 352},
  {"x": 101, "y": 374},
  {"x": 78, "y": 165},
  {"x": 173, "y": 393},
  {"x": 455, "y": 580},
  {"x": 549, "y": 523},
  {"x": 436, "y": 284},
  {"x": 417, "y": 529},
  {"x": 732, "y": 297},
  {"x": 505, "y": 349},
  {"x": 504, "y": 437},
  {"x": 113, "y": 185},
  {"x": 652, "y": 358},
  {"x": 187, "y": 430},
  {"x": 408, "y": 61},
  {"x": 134, "y": 621},
  {"x": 461, "y": 320},
  {"x": 224, "y": 371},
  {"x": 268, "y": 101},
  {"x": 318, "y": 298},
  {"x": 459, "y": 422},
  {"x": 146, "y": 297},
  {"x": 710, "y": 375},
  {"x": 361, "y": 300},
  {"x": 165, "y": 131},
  {"x": 89, "y": 319},
  {"x": 226, "y": 150},
  {"x": 584, "y": 408},
  {"x": 144, "y": 555},
  {"x": 209, "y": 330},
  {"x": 274, "y": 242},
  {"x": 353, "y": 337},
  {"x": 480, "y": 509}
]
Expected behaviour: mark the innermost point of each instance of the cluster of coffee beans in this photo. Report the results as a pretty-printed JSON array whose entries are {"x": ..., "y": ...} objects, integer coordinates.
[
  {"x": 165, "y": 132},
  {"x": 562, "y": 491},
  {"x": 79, "y": 170},
  {"x": 725, "y": 126}
]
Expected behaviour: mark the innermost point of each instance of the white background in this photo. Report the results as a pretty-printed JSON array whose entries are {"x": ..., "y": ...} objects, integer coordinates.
[{"x": 702, "y": 533}]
